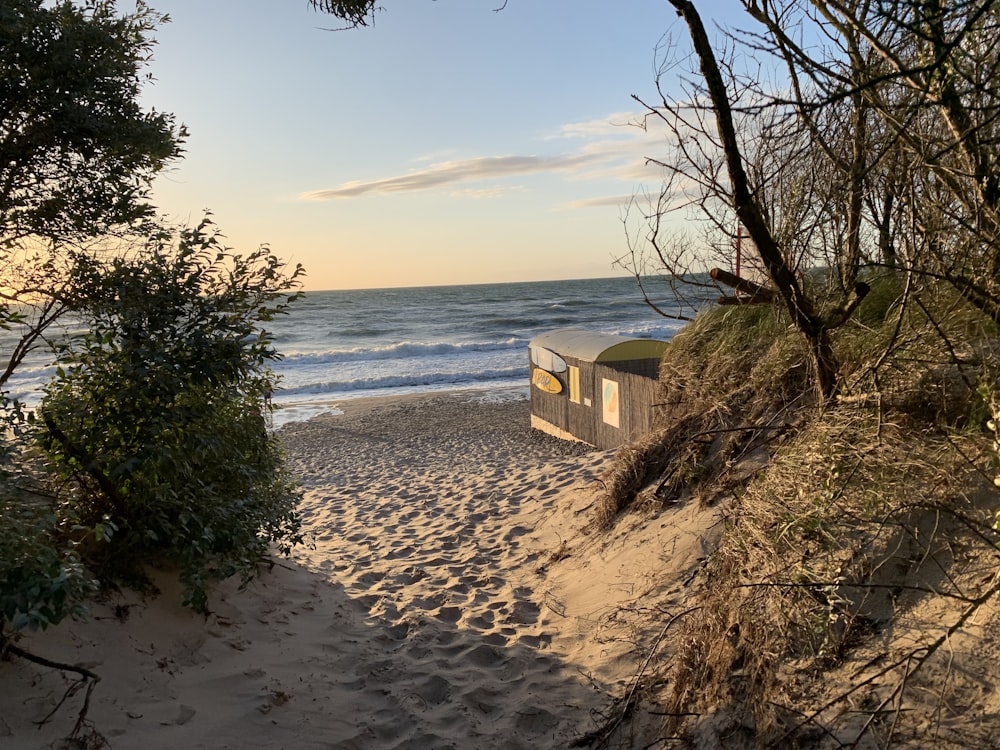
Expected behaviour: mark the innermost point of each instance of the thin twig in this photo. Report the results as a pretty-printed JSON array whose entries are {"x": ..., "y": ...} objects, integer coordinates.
[
  {"x": 87, "y": 677},
  {"x": 925, "y": 651},
  {"x": 602, "y": 734},
  {"x": 848, "y": 584}
]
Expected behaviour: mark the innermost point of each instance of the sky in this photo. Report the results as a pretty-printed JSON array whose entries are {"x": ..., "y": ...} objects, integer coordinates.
[{"x": 447, "y": 144}]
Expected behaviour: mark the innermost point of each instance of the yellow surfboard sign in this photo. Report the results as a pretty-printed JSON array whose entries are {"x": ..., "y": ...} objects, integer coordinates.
[{"x": 546, "y": 381}]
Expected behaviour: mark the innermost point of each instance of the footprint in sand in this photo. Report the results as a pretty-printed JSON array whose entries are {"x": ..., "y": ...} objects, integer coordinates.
[
  {"x": 484, "y": 655},
  {"x": 371, "y": 577},
  {"x": 428, "y": 603},
  {"x": 515, "y": 533},
  {"x": 482, "y": 621},
  {"x": 410, "y": 575},
  {"x": 450, "y": 615},
  {"x": 524, "y": 613},
  {"x": 483, "y": 700},
  {"x": 538, "y": 642},
  {"x": 496, "y": 639},
  {"x": 395, "y": 554},
  {"x": 434, "y": 689},
  {"x": 396, "y": 632}
]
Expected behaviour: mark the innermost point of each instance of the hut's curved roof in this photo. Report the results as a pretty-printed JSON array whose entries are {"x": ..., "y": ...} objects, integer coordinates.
[{"x": 590, "y": 346}]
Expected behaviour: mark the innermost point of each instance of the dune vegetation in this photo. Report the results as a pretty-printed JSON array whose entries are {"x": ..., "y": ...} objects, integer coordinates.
[
  {"x": 847, "y": 426},
  {"x": 860, "y": 545},
  {"x": 149, "y": 444}
]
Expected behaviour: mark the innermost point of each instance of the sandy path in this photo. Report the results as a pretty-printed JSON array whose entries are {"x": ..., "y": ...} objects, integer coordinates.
[
  {"x": 436, "y": 536},
  {"x": 429, "y": 612}
]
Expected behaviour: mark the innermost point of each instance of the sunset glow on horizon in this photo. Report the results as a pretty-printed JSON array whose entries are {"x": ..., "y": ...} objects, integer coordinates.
[{"x": 447, "y": 144}]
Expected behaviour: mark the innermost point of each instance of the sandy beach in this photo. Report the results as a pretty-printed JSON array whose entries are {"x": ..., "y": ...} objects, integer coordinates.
[{"x": 450, "y": 597}]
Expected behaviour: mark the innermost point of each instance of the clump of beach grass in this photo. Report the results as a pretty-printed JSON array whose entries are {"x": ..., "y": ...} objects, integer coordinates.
[
  {"x": 730, "y": 383},
  {"x": 820, "y": 547},
  {"x": 841, "y": 517}
]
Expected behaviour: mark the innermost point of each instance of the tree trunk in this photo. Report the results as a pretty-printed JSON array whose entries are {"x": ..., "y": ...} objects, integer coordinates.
[{"x": 799, "y": 305}]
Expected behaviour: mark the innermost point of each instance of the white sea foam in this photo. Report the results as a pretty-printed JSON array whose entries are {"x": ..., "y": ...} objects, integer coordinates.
[
  {"x": 431, "y": 379},
  {"x": 404, "y": 349}
]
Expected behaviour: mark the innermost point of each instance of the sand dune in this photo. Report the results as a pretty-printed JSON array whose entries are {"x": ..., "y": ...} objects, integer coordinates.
[{"x": 449, "y": 599}]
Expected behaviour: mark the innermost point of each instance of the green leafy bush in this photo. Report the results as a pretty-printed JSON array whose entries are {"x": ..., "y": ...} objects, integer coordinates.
[
  {"x": 157, "y": 419},
  {"x": 42, "y": 580}
]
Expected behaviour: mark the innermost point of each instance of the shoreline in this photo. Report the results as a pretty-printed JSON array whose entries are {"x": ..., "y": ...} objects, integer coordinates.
[{"x": 306, "y": 410}]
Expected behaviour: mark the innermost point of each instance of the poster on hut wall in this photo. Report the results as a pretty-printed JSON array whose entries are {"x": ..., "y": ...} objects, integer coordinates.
[
  {"x": 609, "y": 390},
  {"x": 574, "y": 384}
]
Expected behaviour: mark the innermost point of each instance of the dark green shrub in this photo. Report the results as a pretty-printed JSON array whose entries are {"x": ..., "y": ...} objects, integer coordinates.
[
  {"x": 42, "y": 580},
  {"x": 157, "y": 420}
]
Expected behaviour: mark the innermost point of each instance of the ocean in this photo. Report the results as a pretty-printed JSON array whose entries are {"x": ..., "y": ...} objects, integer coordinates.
[{"x": 338, "y": 345}]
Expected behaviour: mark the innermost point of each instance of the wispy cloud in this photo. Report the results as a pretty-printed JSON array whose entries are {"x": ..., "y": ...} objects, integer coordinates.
[
  {"x": 610, "y": 150},
  {"x": 601, "y": 202},
  {"x": 489, "y": 192},
  {"x": 619, "y": 125},
  {"x": 452, "y": 172}
]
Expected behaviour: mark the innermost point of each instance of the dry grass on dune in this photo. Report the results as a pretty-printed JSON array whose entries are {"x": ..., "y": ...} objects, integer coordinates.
[
  {"x": 724, "y": 397},
  {"x": 852, "y": 598},
  {"x": 830, "y": 556}
]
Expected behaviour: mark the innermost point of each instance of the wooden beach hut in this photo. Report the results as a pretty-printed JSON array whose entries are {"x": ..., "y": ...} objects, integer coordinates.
[{"x": 593, "y": 387}]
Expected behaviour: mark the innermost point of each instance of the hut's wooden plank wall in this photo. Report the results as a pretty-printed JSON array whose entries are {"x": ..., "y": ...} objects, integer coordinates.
[{"x": 636, "y": 396}]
